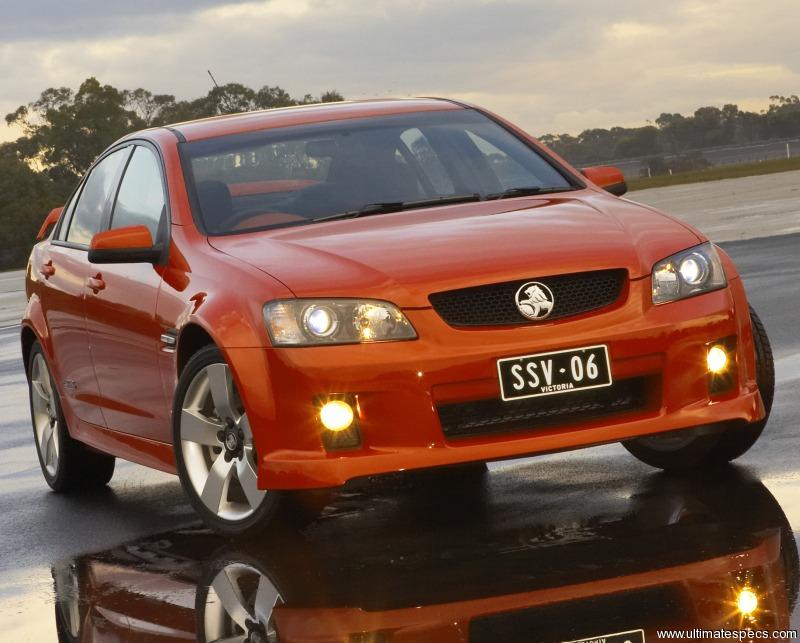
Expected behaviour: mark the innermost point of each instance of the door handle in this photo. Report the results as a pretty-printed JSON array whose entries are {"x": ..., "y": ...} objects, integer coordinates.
[
  {"x": 96, "y": 283},
  {"x": 47, "y": 269}
]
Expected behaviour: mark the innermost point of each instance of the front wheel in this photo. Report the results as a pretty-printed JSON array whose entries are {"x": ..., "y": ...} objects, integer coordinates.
[
  {"x": 214, "y": 450},
  {"x": 686, "y": 449}
]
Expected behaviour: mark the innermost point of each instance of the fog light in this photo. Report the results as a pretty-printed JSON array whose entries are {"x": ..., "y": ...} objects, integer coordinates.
[
  {"x": 747, "y": 602},
  {"x": 717, "y": 359},
  {"x": 336, "y": 415}
]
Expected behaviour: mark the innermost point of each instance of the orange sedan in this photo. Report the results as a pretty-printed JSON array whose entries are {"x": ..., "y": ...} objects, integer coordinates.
[{"x": 298, "y": 297}]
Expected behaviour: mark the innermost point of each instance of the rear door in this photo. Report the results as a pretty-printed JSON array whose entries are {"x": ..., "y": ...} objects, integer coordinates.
[
  {"x": 123, "y": 331},
  {"x": 65, "y": 270}
]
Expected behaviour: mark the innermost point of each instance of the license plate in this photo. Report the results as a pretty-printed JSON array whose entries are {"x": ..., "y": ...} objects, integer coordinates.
[
  {"x": 634, "y": 636},
  {"x": 576, "y": 369}
]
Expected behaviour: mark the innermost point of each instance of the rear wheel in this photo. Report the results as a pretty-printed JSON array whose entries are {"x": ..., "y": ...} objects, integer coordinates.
[
  {"x": 66, "y": 463},
  {"x": 214, "y": 449},
  {"x": 690, "y": 448}
]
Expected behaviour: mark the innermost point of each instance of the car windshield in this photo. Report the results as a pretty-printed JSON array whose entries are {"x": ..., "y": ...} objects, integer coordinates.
[{"x": 301, "y": 175}]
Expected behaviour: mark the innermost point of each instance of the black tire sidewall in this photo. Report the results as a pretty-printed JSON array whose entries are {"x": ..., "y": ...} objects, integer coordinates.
[{"x": 260, "y": 517}]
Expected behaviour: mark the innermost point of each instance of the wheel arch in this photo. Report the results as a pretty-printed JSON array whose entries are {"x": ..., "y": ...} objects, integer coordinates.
[
  {"x": 34, "y": 328},
  {"x": 27, "y": 339},
  {"x": 193, "y": 336}
]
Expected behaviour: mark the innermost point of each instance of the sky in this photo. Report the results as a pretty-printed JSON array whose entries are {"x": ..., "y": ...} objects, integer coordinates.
[{"x": 555, "y": 66}]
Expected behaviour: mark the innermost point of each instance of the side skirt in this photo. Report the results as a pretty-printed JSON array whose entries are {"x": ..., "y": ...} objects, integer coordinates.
[{"x": 156, "y": 455}]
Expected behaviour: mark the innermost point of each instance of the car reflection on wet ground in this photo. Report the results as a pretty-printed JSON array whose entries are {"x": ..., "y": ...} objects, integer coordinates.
[{"x": 432, "y": 561}]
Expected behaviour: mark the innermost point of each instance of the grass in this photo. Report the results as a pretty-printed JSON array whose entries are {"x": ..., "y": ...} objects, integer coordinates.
[{"x": 716, "y": 174}]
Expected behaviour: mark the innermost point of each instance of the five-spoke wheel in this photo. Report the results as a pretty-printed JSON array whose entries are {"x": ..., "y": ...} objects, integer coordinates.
[
  {"x": 216, "y": 456},
  {"x": 44, "y": 411},
  {"x": 66, "y": 463},
  {"x": 238, "y": 606}
]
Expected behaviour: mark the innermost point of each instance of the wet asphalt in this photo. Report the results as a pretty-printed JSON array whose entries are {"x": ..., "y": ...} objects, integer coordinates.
[{"x": 558, "y": 548}]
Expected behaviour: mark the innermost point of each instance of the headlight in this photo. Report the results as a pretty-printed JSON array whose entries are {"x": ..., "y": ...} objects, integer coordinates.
[
  {"x": 310, "y": 322},
  {"x": 691, "y": 272}
]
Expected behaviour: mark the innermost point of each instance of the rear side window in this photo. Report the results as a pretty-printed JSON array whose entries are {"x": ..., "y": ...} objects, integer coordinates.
[
  {"x": 88, "y": 215},
  {"x": 140, "y": 200}
]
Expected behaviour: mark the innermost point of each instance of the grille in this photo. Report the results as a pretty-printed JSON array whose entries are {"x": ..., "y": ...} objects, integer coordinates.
[
  {"x": 481, "y": 417},
  {"x": 495, "y": 304}
]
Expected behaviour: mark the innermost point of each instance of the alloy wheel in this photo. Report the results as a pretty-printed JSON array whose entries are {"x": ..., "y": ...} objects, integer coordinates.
[
  {"x": 217, "y": 445},
  {"x": 239, "y": 606},
  {"x": 45, "y": 415}
]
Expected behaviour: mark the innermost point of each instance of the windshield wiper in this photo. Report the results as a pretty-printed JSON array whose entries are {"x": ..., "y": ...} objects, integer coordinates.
[
  {"x": 528, "y": 191},
  {"x": 399, "y": 206}
]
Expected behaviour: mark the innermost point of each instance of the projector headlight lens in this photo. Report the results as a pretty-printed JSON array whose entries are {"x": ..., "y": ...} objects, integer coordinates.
[
  {"x": 320, "y": 321},
  {"x": 691, "y": 272},
  {"x": 312, "y": 322},
  {"x": 694, "y": 269}
]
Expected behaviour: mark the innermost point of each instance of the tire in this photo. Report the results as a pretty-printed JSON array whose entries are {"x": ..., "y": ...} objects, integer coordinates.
[
  {"x": 686, "y": 449},
  {"x": 736, "y": 442},
  {"x": 214, "y": 450},
  {"x": 66, "y": 464}
]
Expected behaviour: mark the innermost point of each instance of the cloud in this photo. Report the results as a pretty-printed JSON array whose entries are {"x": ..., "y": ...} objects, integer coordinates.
[{"x": 551, "y": 66}]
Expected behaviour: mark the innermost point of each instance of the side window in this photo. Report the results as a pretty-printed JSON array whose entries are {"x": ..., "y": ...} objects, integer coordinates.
[
  {"x": 419, "y": 146},
  {"x": 140, "y": 200},
  {"x": 88, "y": 215},
  {"x": 66, "y": 217}
]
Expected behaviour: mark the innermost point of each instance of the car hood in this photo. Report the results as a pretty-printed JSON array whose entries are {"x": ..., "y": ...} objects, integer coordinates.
[{"x": 405, "y": 256}]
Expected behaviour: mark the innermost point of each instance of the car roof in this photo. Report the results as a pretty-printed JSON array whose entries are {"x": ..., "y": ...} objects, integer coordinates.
[{"x": 306, "y": 114}]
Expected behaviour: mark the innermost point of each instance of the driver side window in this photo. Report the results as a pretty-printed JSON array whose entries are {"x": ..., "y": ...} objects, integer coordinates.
[
  {"x": 88, "y": 214},
  {"x": 140, "y": 200}
]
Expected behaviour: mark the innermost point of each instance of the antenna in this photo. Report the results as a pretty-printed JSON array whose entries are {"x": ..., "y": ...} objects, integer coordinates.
[{"x": 228, "y": 106}]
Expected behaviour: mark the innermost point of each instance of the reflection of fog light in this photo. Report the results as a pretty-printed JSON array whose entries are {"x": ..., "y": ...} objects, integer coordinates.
[
  {"x": 747, "y": 602},
  {"x": 336, "y": 415},
  {"x": 717, "y": 359}
]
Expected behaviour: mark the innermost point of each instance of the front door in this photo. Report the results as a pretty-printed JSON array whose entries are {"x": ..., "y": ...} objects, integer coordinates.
[{"x": 124, "y": 334}]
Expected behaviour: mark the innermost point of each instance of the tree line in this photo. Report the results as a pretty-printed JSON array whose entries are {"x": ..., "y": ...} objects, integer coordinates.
[
  {"x": 64, "y": 130},
  {"x": 679, "y": 135}
]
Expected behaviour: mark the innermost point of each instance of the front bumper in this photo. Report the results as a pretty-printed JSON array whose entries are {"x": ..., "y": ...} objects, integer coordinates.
[{"x": 400, "y": 384}]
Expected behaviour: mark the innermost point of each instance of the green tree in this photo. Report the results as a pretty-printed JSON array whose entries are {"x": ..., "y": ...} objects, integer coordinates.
[
  {"x": 27, "y": 197},
  {"x": 64, "y": 132}
]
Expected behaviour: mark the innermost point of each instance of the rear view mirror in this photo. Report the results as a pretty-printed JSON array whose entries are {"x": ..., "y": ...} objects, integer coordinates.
[
  {"x": 131, "y": 244},
  {"x": 49, "y": 221},
  {"x": 609, "y": 178}
]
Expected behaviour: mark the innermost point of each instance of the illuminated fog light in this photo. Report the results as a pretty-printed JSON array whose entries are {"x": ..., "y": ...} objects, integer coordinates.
[
  {"x": 336, "y": 415},
  {"x": 747, "y": 602},
  {"x": 717, "y": 359},
  {"x": 694, "y": 269}
]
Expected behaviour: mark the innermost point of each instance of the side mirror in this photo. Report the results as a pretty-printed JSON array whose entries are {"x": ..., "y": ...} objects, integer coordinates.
[
  {"x": 49, "y": 221},
  {"x": 609, "y": 178},
  {"x": 131, "y": 244}
]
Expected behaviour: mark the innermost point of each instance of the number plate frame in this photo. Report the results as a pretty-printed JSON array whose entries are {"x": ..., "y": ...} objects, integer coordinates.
[{"x": 597, "y": 349}]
